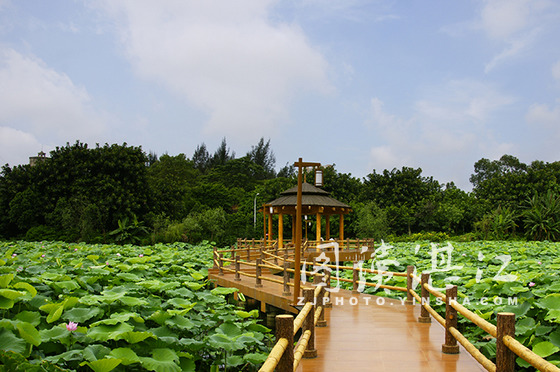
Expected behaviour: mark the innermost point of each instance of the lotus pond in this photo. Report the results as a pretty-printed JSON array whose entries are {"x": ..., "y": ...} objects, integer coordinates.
[{"x": 120, "y": 308}]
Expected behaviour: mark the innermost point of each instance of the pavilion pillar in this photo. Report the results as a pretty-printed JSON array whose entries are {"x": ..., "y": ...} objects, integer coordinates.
[
  {"x": 328, "y": 227},
  {"x": 280, "y": 230},
  {"x": 270, "y": 228},
  {"x": 341, "y": 233},
  {"x": 318, "y": 228},
  {"x": 265, "y": 235}
]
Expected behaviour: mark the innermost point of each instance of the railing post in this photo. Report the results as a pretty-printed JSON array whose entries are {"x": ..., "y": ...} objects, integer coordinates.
[
  {"x": 409, "y": 298},
  {"x": 309, "y": 323},
  {"x": 327, "y": 294},
  {"x": 355, "y": 279},
  {"x": 322, "y": 322},
  {"x": 276, "y": 254},
  {"x": 286, "y": 280},
  {"x": 258, "y": 270},
  {"x": 505, "y": 358},
  {"x": 221, "y": 264},
  {"x": 215, "y": 257},
  {"x": 450, "y": 346},
  {"x": 285, "y": 329},
  {"x": 424, "y": 314},
  {"x": 237, "y": 275}
]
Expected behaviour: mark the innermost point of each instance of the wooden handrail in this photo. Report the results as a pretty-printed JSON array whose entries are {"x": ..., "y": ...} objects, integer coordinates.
[
  {"x": 529, "y": 356},
  {"x": 505, "y": 342}
]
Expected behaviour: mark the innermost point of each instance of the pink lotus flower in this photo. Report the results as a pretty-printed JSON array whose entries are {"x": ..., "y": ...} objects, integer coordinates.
[
  {"x": 540, "y": 263},
  {"x": 43, "y": 256},
  {"x": 140, "y": 255},
  {"x": 532, "y": 284},
  {"x": 71, "y": 326},
  {"x": 75, "y": 249},
  {"x": 118, "y": 254},
  {"x": 14, "y": 255}
]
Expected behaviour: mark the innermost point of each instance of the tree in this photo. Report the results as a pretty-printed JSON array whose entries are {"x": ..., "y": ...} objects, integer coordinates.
[
  {"x": 222, "y": 154},
  {"x": 262, "y": 155},
  {"x": 201, "y": 158}
]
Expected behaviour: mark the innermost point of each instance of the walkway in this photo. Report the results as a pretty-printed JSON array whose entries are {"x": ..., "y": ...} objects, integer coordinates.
[
  {"x": 385, "y": 337},
  {"x": 367, "y": 336}
]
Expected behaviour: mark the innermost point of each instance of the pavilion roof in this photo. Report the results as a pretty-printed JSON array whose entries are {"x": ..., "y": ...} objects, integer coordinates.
[{"x": 310, "y": 196}]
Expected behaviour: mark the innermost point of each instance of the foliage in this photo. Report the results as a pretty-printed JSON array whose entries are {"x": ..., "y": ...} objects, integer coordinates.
[{"x": 136, "y": 308}]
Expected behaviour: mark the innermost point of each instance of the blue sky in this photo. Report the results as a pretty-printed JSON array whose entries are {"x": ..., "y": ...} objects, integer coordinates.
[{"x": 361, "y": 84}]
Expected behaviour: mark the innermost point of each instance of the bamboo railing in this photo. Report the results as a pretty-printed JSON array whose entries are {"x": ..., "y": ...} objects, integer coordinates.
[
  {"x": 507, "y": 347},
  {"x": 285, "y": 358}
]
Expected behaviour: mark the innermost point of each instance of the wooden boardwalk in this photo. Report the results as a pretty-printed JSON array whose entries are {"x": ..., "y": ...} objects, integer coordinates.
[{"x": 362, "y": 334}]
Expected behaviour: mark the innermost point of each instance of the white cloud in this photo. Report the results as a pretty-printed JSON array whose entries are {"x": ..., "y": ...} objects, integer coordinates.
[
  {"x": 545, "y": 116},
  {"x": 446, "y": 133},
  {"x": 227, "y": 58},
  {"x": 38, "y": 100},
  {"x": 17, "y": 146},
  {"x": 516, "y": 23}
]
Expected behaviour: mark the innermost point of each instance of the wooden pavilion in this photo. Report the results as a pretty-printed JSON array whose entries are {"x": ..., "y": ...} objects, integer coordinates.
[{"x": 315, "y": 201}]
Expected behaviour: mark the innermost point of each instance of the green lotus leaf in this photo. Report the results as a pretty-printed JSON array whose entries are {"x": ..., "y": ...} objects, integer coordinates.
[
  {"x": 72, "y": 355},
  {"x": 160, "y": 317},
  {"x": 545, "y": 348},
  {"x": 255, "y": 358},
  {"x": 29, "y": 333},
  {"x": 194, "y": 286},
  {"x": 162, "y": 360},
  {"x": 109, "y": 332},
  {"x": 126, "y": 355},
  {"x": 68, "y": 285},
  {"x": 96, "y": 352},
  {"x": 5, "y": 280},
  {"x": 9, "y": 342},
  {"x": 55, "y": 314},
  {"x": 223, "y": 291},
  {"x": 32, "y": 317},
  {"x": 104, "y": 365},
  {"x": 82, "y": 314},
  {"x": 53, "y": 334},
  {"x": 28, "y": 287},
  {"x": 180, "y": 322},
  {"x": 6, "y": 303},
  {"x": 182, "y": 303},
  {"x": 11, "y": 294},
  {"x": 129, "y": 277},
  {"x": 135, "y": 337},
  {"x": 132, "y": 301}
]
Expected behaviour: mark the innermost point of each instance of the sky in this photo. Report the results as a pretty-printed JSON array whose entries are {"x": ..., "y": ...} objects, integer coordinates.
[{"x": 362, "y": 84}]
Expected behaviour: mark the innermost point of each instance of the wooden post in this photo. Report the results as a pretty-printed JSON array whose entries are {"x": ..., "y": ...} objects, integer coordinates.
[
  {"x": 505, "y": 358},
  {"x": 309, "y": 323},
  {"x": 355, "y": 279},
  {"x": 424, "y": 314},
  {"x": 221, "y": 264},
  {"x": 258, "y": 270},
  {"x": 327, "y": 227},
  {"x": 450, "y": 346},
  {"x": 409, "y": 298},
  {"x": 341, "y": 230},
  {"x": 321, "y": 302},
  {"x": 237, "y": 275},
  {"x": 286, "y": 278},
  {"x": 215, "y": 257},
  {"x": 285, "y": 329},
  {"x": 281, "y": 229},
  {"x": 327, "y": 293}
]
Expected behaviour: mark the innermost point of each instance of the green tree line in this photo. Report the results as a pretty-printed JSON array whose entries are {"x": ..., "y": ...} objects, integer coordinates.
[{"x": 119, "y": 193}]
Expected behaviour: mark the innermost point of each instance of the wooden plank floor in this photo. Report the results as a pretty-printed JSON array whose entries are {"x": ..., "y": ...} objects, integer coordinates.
[
  {"x": 367, "y": 336},
  {"x": 381, "y": 338}
]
